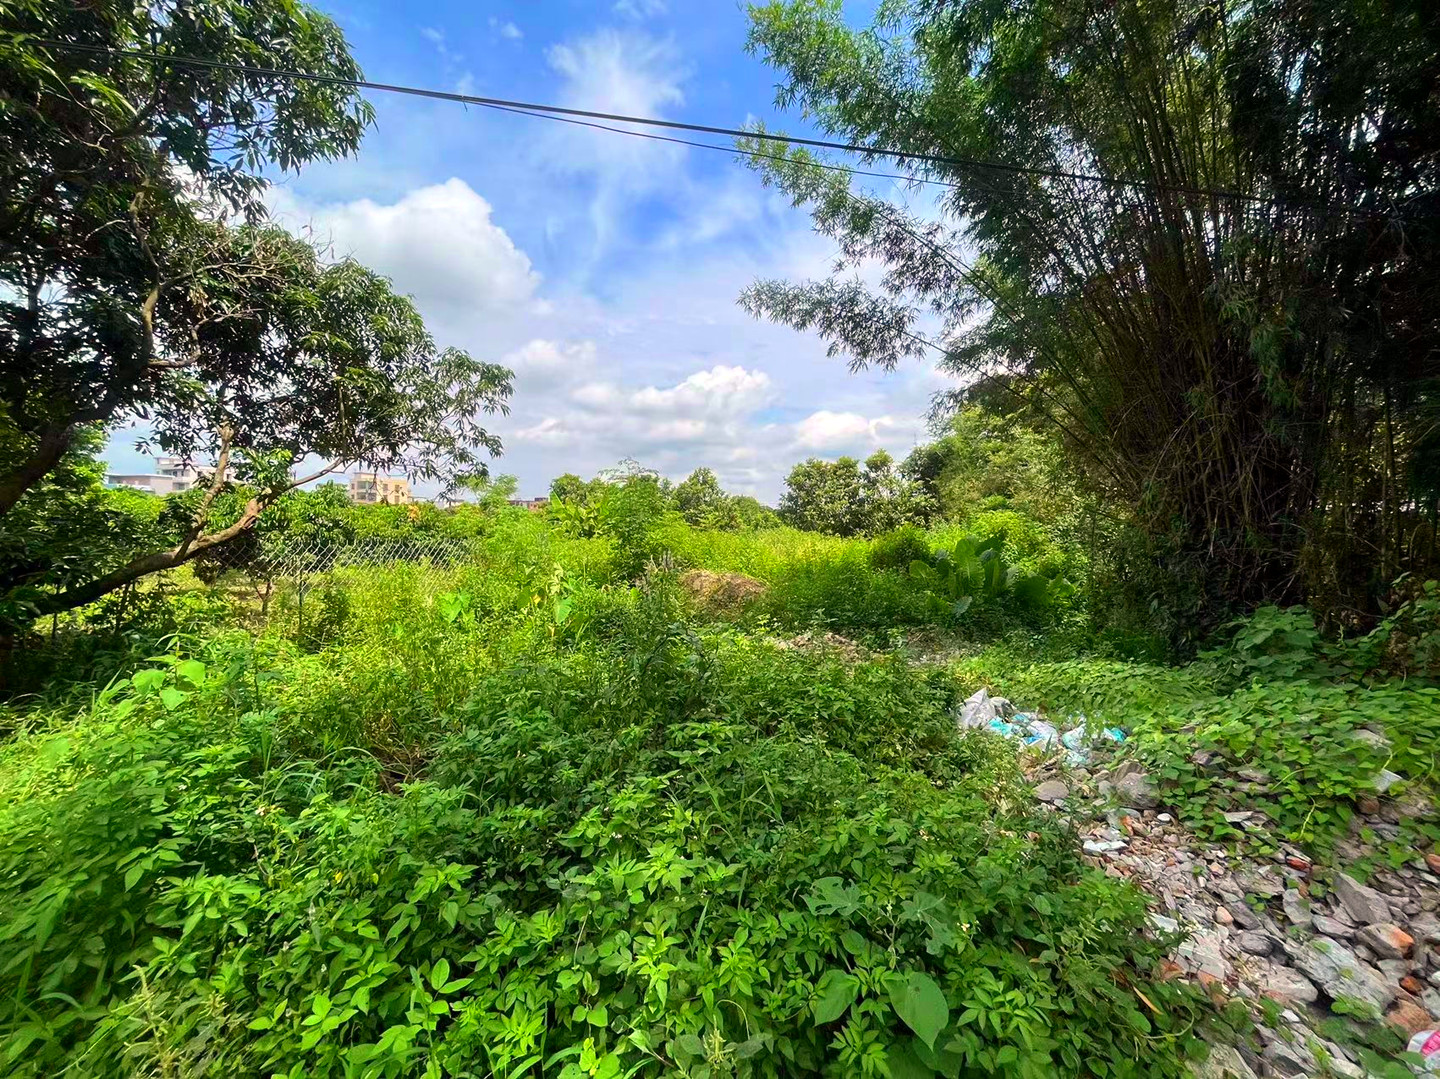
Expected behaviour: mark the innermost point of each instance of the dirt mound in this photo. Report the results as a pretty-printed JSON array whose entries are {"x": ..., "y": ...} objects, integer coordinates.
[{"x": 721, "y": 591}]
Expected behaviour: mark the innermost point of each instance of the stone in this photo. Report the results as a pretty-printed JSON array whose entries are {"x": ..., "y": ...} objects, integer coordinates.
[
  {"x": 1052, "y": 790},
  {"x": 1412, "y": 985},
  {"x": 1336, "y": 969},
  {"x": 1433, "y": 861},
  {"x": 1260, "y": 883},
  {"x": 1255, "y": 943},
  {"x": 1224, "y": 917},
  {"x": 1224, "y": 1062},
  {"x": 1430, "y": 1000},
  {"x": 1373, "y": 739},
  {"x": 1166, "y": 818},
  {"x": 1288, "y": 1058},
  {"x": 1386, "y": 939},
  {"x": 1202, "y": 953},
  {"x": 1137, "y": 789},
  {"x": 1408, "y": 1017},
  {"x": 1288, "y": 987},
  {"x": 1164, "y": 924},
  {"x": 1368, "y": 804},
  {"x": 1393, "y": 969},
  {"x": 1297, "y": 907},
  {"x": 1333, "y": 927},
  {"x": 1365, "y": 905},
  {"x": 1425, "y": 927},
  {"x": 1243, "y": 916},
  {"x": 1102, "y": 846}
]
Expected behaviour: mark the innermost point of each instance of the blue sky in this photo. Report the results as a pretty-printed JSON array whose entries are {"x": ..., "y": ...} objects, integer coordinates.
[{"x": 604, "y": 269}]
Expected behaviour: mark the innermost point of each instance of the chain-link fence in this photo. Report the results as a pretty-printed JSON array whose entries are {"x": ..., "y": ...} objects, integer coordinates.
[{"x": 278, "y": 575}]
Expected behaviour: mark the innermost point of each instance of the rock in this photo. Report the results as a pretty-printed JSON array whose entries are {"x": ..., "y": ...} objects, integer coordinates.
[
  {"x": 1426, "y": 927},
  {"x": 1164, "y": 924},
  {"x": 1260, "y": 883},
  {"x": 1102, "y": 846},
  {"x": 1297, "y": 863},
  {"x": 1433, "y": 861},
  {"x": 1386, "y": 939},
  {"x": 1202, "y": 954},
  {"x": 1333, "y": 927},
  {"x": 1137, "y": 789},
  {"x": 1288, "y": 987},
  {"x": 1373, "y": 739},
  {"x": 1337, "y": 970},
  {"x": 1238, "y": 816},
  {"x": 1052, "y": 790},
  {"x": 1297, "y": 907},
  {"x": 1224, "y": 1062},
  {"x": 1288, "y": 1059},
  {"x": 1365, "y": 905},
  {"x": 1243, "y": 916},
  {"x": 1254, "y": 943},
  {"x": 1412, "y": 985},
  {"x": 1408, "y": 1017},
  {"x": 1415, "y": 806},
  {"x": 1166, "y": 818},
  {"x": 1368, "y": 804},
  {"x": 1393, "y": 969},
  {"x": 1223, "y": 917},
  {"x": 1430, "y": 1000}
]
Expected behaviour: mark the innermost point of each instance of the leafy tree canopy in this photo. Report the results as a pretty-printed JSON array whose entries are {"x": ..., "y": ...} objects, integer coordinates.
[
  {"x": 141, "y": 281},
  {"x": 1236, "y": 336}
]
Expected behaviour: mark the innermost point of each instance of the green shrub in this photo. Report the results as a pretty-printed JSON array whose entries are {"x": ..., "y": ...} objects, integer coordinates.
[{"x": 897, "y": 549}]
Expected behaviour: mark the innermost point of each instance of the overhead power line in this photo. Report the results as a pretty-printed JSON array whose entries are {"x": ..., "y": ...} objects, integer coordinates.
[{"x": 585, "y": 118}]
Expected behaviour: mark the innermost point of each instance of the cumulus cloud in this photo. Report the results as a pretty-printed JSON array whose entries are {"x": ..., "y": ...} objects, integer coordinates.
[
  {"x": 437, "y": 243},
  {"x": 541, "y": 365},
  {"x": 706, "y": 406}
]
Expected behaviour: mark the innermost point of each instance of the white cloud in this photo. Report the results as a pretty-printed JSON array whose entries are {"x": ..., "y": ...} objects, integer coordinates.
[
  {"x": 640, "y": 9},
  {"x": 506, "y": 29},
  {"x": 542, "y": 365},
  {"x": 437, "y": 243},
  {"x": 827, "y": 430},
  {"x": 617, "y": 71}
]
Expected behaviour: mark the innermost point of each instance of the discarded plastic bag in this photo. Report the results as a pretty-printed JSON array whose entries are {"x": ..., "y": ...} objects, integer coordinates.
[
  {"x": 980, "y": 710},
  {"x": 1426, "y": 1045}
]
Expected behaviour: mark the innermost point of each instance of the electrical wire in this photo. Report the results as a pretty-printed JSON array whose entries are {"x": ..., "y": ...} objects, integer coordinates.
[{"x": 571, "y": 115}]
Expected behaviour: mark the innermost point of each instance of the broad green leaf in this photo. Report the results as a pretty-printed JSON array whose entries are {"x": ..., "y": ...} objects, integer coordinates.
[
  {"x": 172, "y": 698},
  {"x": 439, "y": 974},
  {"x": 904, "y": 1062},
  {"x": 920, "y": 1004},
  {"x": 192, "y": 671},
  {"x": 837, "y": 991}
]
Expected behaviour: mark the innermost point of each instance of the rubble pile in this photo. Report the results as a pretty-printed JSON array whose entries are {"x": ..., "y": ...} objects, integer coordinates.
[{"x": 1301, "y": 944}]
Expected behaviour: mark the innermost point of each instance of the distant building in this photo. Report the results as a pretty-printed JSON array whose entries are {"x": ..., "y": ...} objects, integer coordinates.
[
  {"x": 533, "y": 504},
  {"x": 171, "y": 475},
  {"x": 368, "y": 489}
]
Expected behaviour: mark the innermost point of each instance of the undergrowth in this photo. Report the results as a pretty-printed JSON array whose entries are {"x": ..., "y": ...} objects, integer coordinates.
[{"x": 472, "y": 836}]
